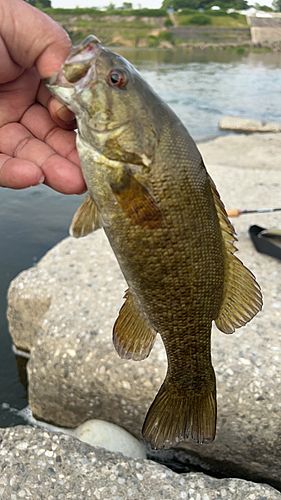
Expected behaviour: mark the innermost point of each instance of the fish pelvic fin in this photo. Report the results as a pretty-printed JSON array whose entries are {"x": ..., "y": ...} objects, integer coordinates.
[
  {"x": 176, "y": 415},
  {"x": 133, "y": 338},
  {"x": 242, "y": 297},
  {"x": 86, "y": 219}
]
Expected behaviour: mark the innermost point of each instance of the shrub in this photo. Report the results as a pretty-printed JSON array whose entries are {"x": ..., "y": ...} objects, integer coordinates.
[
  {"x": 200, "y": 19},
  {"x": 168, "y": 23},
  {"x": 167, "y": 36},
  {"x": 153, "y": 41}
]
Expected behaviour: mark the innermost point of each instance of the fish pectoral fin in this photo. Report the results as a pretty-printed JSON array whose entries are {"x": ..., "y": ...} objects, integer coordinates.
[
  {"x": 177, "y": 414},
  {"x": 86, "y": 219},
  {"x": 242, "y": 298},
  {"x": 133, "y": 338},
  {"x": 136, "y": 201}
]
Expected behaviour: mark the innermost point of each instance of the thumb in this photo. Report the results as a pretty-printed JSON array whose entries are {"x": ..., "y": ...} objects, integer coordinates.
[{"x": 32, "y": 37}]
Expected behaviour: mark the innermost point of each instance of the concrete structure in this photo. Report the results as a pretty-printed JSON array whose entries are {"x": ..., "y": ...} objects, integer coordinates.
[{"x": 266, "y": 31}]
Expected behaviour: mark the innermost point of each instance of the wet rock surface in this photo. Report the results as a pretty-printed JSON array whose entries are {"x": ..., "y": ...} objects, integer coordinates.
[
  {"x": 35, "y": 464},
  {"x": 75, "y": 374}
]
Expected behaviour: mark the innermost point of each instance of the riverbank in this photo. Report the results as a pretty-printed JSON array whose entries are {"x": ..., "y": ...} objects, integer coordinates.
[{"x": 155, "y": 27}]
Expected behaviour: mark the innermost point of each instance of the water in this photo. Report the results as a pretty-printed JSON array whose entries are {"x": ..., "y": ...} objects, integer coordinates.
[
  {"x": 32, "y": 221},
  {"x": 201, "y": 87}
]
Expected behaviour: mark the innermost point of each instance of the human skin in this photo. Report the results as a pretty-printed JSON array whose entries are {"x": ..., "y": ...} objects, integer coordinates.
[{"x": 37, "y": 140}]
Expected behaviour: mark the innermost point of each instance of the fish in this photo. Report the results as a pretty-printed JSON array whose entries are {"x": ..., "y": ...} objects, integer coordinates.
[{"x": 149, "y": 189}]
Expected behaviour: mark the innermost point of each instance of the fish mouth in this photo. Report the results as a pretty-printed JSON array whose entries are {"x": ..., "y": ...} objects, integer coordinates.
[{"x": 76, "y": 70}]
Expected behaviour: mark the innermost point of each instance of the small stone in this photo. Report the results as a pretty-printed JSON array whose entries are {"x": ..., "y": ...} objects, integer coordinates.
[
  {"x": 22, "y": 446},
  {"x": 111, "y": 437}
]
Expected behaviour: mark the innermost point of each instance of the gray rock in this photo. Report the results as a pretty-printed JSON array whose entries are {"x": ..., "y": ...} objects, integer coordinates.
[
  {"x": 35, "y": 464},
  {"x": 75, "y": 374},
  {"x": 238, "y": 124},
  {"x": 250, "y": 152}
]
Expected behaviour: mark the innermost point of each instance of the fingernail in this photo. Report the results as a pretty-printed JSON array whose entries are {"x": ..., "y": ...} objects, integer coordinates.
[
  {"x": 65, "y": 115},
  {"x": 41, "y": 180}
]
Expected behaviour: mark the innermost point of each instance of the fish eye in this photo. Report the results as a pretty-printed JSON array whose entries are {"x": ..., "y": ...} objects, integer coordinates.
[{"x": 117, "y": 78}]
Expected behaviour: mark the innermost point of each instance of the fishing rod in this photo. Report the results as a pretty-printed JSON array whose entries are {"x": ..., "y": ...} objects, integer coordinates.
[{"x": 236, "y": 212}]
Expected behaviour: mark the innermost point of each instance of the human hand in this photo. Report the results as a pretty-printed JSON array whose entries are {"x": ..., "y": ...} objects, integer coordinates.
[{"x": 37, "y": 141}]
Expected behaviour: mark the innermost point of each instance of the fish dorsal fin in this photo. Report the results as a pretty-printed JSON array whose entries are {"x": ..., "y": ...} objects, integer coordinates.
[
  {"x": 136, "y": 201},
  {"x": 133, "y": 338},
  {"x": 242, "y": 298},
  {"x": 86, "y": 219}
]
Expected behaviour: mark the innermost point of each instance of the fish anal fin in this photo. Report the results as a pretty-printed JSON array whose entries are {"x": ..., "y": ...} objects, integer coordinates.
[
  {"x": 242, "y": 298},
  {"x": 86, "y": 219},
  {"x": 175, "y": 416},
  {"x": 136, "y": 201},
  {"x": 133, "y": 337}
]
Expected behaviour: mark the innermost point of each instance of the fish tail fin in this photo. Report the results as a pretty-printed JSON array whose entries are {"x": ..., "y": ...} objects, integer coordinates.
[{"x": 176, "y": 415}]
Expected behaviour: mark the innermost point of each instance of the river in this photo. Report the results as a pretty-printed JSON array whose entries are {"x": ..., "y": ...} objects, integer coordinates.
[{"x": 201, "y": 86}]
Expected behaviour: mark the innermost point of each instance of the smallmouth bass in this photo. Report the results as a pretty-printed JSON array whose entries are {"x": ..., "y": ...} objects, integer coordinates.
[{"x": 150, "y": 191}]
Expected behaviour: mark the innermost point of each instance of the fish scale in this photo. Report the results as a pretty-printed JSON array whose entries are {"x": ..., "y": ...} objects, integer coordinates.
[{"x": 151, "y": 193}]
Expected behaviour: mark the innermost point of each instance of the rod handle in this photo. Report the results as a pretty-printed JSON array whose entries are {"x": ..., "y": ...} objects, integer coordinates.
[{"x": 233, "y": 212}]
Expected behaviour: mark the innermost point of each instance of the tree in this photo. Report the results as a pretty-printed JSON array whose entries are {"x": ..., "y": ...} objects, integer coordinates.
[
  {"x": 266, "y": 8},
  {"x": 181, "y": 4},
  {"x": 205, "y": 4},
  {"x": 43, "y": 4},
  {"x": 277, "y": 5}
]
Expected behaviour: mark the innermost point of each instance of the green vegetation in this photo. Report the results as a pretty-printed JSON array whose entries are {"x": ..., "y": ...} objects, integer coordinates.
[
  {"x": 200, "y": 19},
  {"x": 277, "y": 5},
  {"x": 108, "y": 12},
  {"x": 266, "y": 8},
  {"x": 164, "y": 36},
  {"x": 118, "y": 28},
  {"x": 168, "y": 23},
  {"x": 205, "y": 4},
  {"x": 212, "y": 18},
  {"x": 41, "y": 4},
  {"x": 152, "y": 27}
]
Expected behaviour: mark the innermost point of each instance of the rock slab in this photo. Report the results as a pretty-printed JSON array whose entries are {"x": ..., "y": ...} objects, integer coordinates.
[
  {"x": 238, "y": 124},
  {"x": 37, "y": 465},
  {"x": 63, "y": 311}
]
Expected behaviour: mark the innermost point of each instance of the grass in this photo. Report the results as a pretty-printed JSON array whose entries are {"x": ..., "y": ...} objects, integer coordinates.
[
  {"x": 108, "y": 12},
  {"x": 208, "y": 18}
]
